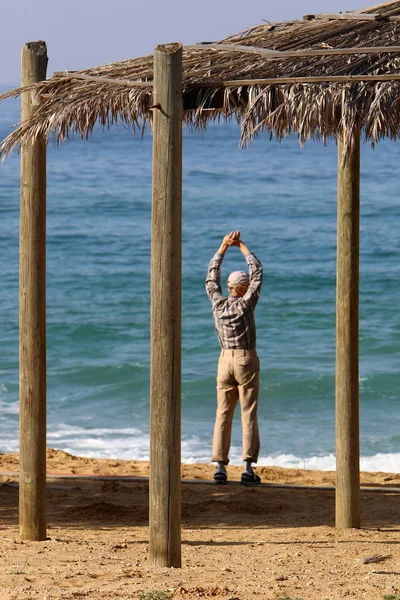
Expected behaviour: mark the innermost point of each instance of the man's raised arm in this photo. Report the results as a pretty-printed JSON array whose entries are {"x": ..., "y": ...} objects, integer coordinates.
[
  {"x": 256, "y": 275},
  {"x": 213, "y": 280}
]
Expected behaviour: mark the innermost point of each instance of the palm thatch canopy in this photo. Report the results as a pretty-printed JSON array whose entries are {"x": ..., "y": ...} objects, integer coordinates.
[{"x": 317, "y": 77}]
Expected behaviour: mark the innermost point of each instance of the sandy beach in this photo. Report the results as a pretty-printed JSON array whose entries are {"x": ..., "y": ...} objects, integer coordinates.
[{"x": 238, "y": 543}]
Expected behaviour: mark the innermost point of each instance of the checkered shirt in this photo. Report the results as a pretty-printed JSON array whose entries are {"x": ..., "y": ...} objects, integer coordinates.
[{"x": 234, "y": 317}]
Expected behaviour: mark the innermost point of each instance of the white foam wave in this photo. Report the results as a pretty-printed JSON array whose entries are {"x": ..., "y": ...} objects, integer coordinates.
[
  {"x": 132, "y": 444},
  {"x": 59, "y": 431},
  {"x": 7, "y": 408},
  {"x": 196, "y": 451},
  {"x": 290, "y": 461},
  {"x": 386, "y": 463},
  {"x": 127, "y": 443}
]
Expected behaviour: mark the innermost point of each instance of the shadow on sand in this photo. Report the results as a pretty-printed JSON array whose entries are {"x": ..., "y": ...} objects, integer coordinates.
[{"x": 88, "y": 503}]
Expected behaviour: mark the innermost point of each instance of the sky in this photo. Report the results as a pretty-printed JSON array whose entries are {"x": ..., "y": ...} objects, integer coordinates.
[{"x": 87, "y": 33}]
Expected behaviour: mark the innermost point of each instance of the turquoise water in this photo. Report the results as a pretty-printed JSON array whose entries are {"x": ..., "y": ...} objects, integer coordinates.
[{"x": 283, "y": 199}]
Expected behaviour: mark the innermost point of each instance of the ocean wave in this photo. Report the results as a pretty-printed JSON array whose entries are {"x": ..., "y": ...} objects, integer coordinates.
[
  {"x": 194, "y": 450},
  {"x": 9, "y": 408},
  {"x": 65, "y": 430},
  {"x": 386, "y": 463},
  {"x": 131, "y": 443}
]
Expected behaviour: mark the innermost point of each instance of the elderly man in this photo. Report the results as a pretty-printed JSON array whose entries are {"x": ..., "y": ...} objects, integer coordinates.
[{"x": 238, "y": 366}]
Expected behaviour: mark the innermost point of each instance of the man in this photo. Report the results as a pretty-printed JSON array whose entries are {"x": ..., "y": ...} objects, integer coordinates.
[{"x": 238, "y": 365}]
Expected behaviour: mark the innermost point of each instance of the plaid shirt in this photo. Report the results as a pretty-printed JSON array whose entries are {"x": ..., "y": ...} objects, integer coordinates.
[{"x": 234, "y": 316}]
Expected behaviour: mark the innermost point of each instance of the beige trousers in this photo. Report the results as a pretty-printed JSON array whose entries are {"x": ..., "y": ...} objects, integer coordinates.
[{"x": 238, "y": 377}]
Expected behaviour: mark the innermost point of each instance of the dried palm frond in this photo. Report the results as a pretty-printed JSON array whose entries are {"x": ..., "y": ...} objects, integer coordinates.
[{"x": 223, "y": 82}]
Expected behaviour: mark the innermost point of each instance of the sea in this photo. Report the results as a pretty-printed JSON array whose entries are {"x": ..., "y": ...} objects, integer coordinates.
[{"x": 282, "y": 198}]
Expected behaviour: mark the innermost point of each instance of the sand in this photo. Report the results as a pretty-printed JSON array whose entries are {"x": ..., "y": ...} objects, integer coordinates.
[{"x": 237, "y": 543}]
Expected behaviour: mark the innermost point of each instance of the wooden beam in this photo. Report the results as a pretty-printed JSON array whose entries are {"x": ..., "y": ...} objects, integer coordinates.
[
  {"x": 283, "y": 54},
  {"x": 114, "y": 81},
  {"x": 269, "y": 52},
  {"x": 350, "y": 17},
  {"x": 250, "y": 82},
  {"x": 347, "y": 369},
  {"x": 32, "y": 311},
  {"x": 165, "y": 329},
  {"x": 291, "y": 80}
]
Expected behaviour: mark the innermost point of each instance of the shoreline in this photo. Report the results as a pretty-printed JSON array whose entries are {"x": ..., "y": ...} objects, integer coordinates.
[{"x": 60, "y": 463}]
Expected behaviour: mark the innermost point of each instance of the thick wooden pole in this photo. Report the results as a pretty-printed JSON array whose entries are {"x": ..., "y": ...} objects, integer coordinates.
[
  {"x": 32, "y": 311},
  {"x": 347, "y": 294},
  {"x": 166, "y": 256}
]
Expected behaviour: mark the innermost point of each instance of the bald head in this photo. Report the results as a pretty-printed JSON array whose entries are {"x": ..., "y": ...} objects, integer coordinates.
[{"x": 237, "y": 283}]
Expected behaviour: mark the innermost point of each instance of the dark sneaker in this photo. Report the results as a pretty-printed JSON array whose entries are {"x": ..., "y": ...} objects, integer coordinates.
[
  {"x": 220, "y": 477},
  {"x": 250, "y": 479}
]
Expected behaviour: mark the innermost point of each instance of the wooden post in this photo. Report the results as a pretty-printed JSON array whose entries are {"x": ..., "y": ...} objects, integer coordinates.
[
  {"x": 32, "y": 311},
  {"x": 166, "y": 256},
  {"x": 347, "y": 294}
]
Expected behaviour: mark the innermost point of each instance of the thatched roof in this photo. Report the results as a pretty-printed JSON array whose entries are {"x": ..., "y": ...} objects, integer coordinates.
[{"x": 317, "y": 93}]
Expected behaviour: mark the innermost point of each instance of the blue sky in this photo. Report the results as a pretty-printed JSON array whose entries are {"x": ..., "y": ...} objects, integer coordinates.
[{"x": 86, "y": 33}]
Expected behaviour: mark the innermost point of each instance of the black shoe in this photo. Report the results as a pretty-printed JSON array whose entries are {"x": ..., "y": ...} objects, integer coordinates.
[
  {"x": 220, "y": 477},
  {"x": 250, "y": 479}
]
